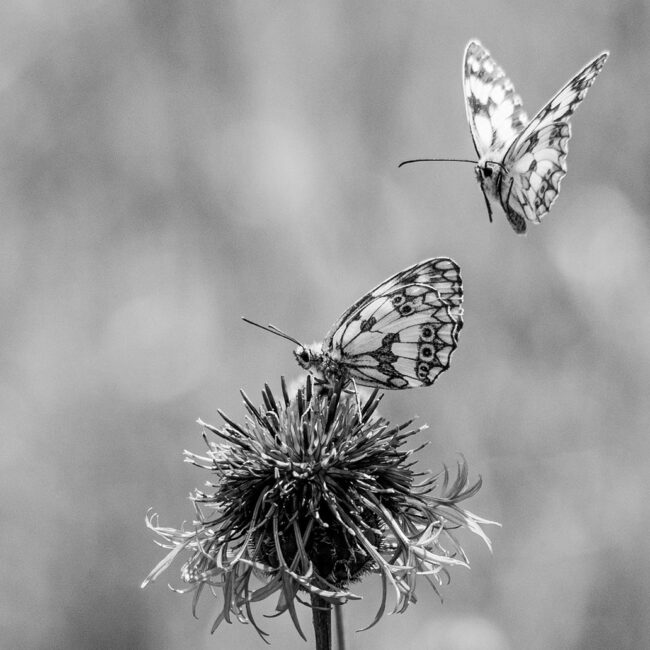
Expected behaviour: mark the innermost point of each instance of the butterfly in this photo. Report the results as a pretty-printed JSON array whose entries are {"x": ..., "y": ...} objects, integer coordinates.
[
  {"x": 399, "y": 335},
  {"x": 521, "y": 162}
]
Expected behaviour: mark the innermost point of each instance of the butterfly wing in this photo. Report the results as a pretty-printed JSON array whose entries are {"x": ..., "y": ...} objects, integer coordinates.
[
  {"x": 402, "y": 333},
  {"x": 536, "y": 159},
  {"x": 494, "y": 110}
]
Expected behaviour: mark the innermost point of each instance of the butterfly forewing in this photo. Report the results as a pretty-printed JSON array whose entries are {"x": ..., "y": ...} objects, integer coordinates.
[
  {"x": 560, "y": 108},
  {"x": 403, "y": 332},
  {"x": 494, "y": 110}
]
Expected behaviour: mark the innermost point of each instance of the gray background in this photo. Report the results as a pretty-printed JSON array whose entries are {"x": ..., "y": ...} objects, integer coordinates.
[{"x": 169, "y": 166}]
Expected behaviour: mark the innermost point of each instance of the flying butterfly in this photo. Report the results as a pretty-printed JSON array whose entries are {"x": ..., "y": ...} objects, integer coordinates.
[
  {"x": 399, "y": 335},
  {"x": 521, "y": 162}
]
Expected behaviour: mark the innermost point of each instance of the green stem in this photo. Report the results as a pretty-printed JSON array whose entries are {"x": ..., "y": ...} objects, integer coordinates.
[{"x": 322, "y": 617}]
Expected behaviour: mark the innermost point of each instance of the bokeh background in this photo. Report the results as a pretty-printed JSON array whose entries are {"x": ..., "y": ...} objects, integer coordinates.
[{"x": 169, "y": 166}]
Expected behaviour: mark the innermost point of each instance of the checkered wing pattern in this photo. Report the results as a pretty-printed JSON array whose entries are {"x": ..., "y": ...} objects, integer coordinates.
[
  {"x": 535, "y": 161},
  {"x": 494, "y": 110},
  {"x": 402, "y": 333}
]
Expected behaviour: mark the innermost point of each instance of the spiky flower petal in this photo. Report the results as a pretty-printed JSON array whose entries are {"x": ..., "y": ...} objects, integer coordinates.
[{"x": 309, "y": 494}]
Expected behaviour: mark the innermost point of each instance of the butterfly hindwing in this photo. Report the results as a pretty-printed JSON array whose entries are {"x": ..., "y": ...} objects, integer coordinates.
[
  {"x": 402, "y": 333},
  {"x": 536, "y": 159},
  {"x": 494, "y": 110},
  {"x": 533, "y": 182}
]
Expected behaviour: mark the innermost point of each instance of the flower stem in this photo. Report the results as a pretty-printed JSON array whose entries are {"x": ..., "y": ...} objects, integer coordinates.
[
  {"x": 322, "y": 618},
  {"x": 340, "y": 632}
]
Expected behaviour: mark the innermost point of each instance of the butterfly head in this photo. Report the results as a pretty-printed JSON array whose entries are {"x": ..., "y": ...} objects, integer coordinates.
[
  {"x": 487, "y": 173},
  {"x": 309, "y": 356}
]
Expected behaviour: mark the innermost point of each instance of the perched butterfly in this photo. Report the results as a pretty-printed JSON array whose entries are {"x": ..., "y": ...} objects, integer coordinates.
[
  {"x": 399, "y": 335},
  {"x": 521, "y": 163}
]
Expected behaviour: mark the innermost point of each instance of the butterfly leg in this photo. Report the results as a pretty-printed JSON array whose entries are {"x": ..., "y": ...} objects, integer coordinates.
[
  {"x": 356, "y": 397},
  {"x": 487, "y": 203},
  {"x": 512, "y": 180},
  {"x": 517, "y": 222}
]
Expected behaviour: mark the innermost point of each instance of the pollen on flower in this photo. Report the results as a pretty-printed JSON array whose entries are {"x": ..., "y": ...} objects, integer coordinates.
[{"x": 309, "y": 494}]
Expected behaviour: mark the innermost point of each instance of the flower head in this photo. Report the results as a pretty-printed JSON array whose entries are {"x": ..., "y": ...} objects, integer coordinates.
[{"x": 309, "y": 494}]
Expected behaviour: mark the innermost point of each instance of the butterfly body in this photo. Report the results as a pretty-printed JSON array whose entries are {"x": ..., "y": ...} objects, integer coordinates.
[
  {"x": 399, "y": 335},
  {"x": 490, "y": 178},
  {"x": 325, "y": 365},
  {"x": 521, "y": 162}
]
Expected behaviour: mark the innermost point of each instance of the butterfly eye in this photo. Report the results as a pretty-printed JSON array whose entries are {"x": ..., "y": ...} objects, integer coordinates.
[
  {"x": 303, "y": 357},
  {"x": 487, "y": 172}
]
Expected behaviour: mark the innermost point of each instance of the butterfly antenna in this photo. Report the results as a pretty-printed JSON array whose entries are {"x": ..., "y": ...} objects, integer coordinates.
[
  {"x": 273, "y": 329},
  {"x": 406, "y": 162}
]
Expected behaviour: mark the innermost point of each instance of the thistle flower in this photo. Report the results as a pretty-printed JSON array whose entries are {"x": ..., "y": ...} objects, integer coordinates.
[{"x": 310, "y": 494}]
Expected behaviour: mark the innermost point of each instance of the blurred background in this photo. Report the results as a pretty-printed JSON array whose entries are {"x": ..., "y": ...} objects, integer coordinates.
[{"x": 169, "y": 166}]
